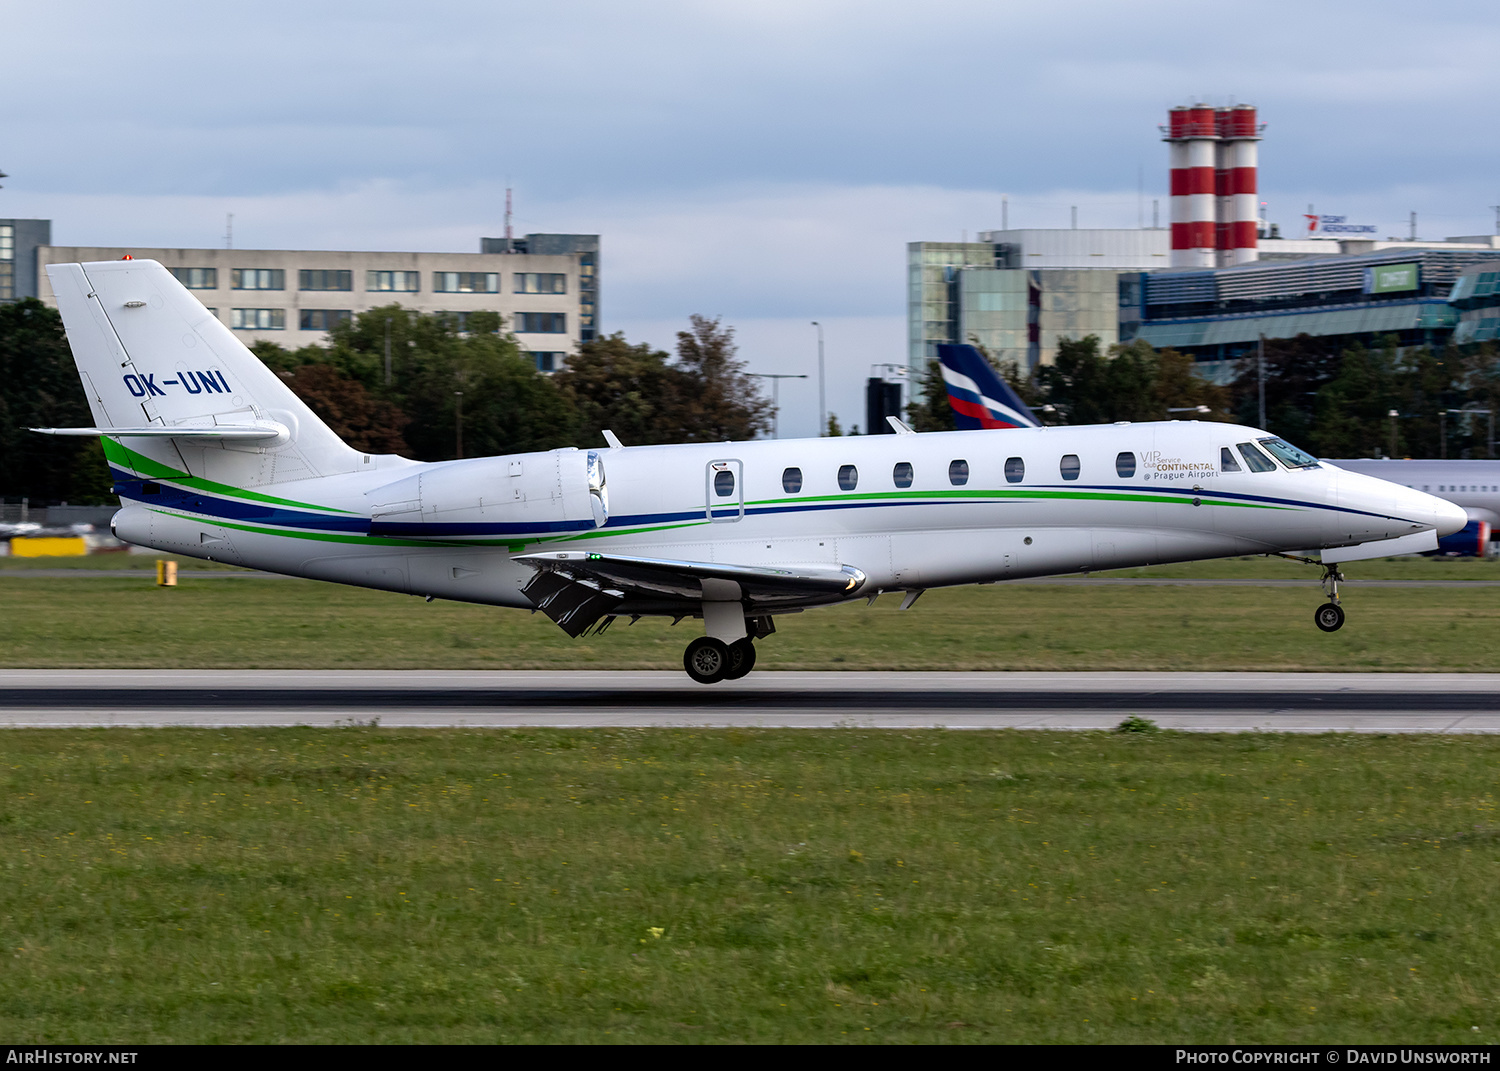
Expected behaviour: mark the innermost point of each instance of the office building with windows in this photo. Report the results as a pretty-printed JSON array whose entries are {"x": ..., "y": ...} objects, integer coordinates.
[
  {"x": 19, "y": 241},
  {"x": 545, "y": 286}
]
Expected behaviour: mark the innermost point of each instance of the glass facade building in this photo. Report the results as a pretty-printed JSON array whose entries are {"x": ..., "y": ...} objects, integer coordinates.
[
  {"x": 1018, "y": 292},
  {"x": 1221, "y": 314},
  {"x": 1476, "y": 300}
]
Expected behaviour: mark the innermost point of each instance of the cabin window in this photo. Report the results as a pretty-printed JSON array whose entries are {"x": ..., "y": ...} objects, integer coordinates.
[
  {"x": 1257, "y": 461},
  {"x": 1015, "y": 470},
  {"x": 848, "y": 477},
  {"x": 1069, "y": 467},
  {"x": 791, "y": 480},
  {"x": 1125, "y": 464},
  {"x": 724, "y": 483},
  {"x": 902, "y": 474},
  {"x": 958, "y": 472},
  {"x": 1227, "y": 463}
]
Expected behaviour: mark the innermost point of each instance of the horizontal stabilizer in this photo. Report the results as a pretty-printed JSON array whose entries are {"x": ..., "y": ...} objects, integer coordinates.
[{"x": 264, "y": 429}]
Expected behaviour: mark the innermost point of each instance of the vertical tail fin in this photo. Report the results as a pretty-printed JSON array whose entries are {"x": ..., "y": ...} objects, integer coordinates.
[
  {"x": 150, "y": 355},
  {"x": 979, "y": 397}
]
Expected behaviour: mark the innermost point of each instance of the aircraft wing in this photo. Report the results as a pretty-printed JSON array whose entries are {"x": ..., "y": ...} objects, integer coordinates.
[{"x": 577, "y": 588}]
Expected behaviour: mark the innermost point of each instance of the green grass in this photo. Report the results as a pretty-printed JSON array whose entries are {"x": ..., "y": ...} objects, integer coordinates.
[
  {"x": 365, "y": 885},
  {"x": 265, "y": 623},
  {"x": 113, "y": 560}
]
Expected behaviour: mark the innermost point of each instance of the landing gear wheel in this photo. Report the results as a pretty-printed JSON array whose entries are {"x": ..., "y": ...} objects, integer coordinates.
[
  {"x": 741, "y": 659},
  {"x": 1329, "y": 617},
  {"x": 706, "y": 660}
]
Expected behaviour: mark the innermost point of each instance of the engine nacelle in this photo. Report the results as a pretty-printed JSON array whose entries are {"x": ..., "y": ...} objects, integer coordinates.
[
  {"x": 512, "y": 495},
  {"x": 1473, "y": 540}
]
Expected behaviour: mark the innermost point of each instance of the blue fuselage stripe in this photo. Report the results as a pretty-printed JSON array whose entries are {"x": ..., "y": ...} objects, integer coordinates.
[{"x": 168, "y": 496}]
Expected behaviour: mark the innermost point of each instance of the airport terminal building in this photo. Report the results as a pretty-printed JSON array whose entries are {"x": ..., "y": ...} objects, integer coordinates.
[
  {"x": 1018, "y": 292},
  {"x": 1221, "y": 314}
]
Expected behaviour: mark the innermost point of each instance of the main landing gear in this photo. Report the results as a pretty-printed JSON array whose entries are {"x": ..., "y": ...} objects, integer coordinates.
[
  {"x": 709, "y": 661},
  {"x": 712, "y": 658}
]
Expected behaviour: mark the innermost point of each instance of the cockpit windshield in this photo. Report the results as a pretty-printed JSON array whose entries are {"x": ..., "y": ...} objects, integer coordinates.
[
  {"x": 1289, "y": 455},
  {"x": 1257, "y": 461}
]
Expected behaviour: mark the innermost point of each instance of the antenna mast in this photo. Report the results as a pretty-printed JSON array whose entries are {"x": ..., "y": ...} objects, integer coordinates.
[{"x": 508, "y": 235}]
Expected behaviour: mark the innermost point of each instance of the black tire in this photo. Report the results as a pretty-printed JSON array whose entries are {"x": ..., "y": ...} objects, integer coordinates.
[
  {"x": 706, "y": 660},
  {"x": 741, "y": 659},
  {"x": 1329, "y": 617}
]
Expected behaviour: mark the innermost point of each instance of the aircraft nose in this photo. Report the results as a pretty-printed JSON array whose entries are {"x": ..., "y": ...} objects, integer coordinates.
[{"x": 1431, "y": 510}]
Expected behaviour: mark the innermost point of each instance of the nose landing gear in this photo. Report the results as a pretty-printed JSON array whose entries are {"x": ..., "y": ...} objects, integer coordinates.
[{"x": 1330, "y": 616}]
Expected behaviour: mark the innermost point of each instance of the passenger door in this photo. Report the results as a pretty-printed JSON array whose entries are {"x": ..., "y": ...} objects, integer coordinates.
[{"x": 724, "y": 490}]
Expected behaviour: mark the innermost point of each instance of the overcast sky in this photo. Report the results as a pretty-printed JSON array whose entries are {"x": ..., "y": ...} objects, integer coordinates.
[{"x": 765, "y": 161}]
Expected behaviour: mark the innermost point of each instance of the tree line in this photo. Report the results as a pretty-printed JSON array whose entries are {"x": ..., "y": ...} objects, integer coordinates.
[
  {"x": 451, "y": 388},
  {"x": 1332, "y": 399}
]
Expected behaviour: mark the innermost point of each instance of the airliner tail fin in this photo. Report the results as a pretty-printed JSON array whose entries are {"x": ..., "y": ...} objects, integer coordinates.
[
  {"x": 979, "y": 397},
  {"x": 163, "y": 373}
]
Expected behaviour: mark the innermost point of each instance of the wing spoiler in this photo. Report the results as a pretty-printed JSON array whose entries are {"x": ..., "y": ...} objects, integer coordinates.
[{"x": 576, "y": 588}]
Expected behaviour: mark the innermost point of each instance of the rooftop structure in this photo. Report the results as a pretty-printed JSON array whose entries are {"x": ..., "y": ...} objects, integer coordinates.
[{"x": 1213, "y": 184}]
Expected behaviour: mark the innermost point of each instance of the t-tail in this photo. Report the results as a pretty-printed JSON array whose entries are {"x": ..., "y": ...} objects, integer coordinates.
[
  {"x": 979, "y": 397},
  {"x": 174, "y": 395}
]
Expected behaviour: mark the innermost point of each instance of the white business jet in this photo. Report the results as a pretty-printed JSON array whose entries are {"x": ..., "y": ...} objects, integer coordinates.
[{"x": 214, "y": 457}]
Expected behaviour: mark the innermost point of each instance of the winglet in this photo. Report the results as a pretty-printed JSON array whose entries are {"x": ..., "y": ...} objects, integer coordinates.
[
  {"x": 899, "y": 426},
  {"x": 613, "y": 439}
]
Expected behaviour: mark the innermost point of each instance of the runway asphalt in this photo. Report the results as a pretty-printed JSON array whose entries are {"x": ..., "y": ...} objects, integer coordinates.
[{"x": 1198, "y": 702}]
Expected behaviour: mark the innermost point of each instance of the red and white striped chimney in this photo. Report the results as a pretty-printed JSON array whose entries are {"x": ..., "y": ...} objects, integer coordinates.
[
  {"x": 1193, "y": 134},
  {"x": 1235, "y": 183}
]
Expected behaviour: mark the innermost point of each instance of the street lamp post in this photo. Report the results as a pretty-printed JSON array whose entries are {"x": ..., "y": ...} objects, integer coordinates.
[
  {"x": 775, "y": 378},
  {"x": 1393, "y": 415},
  {"x": 458, "y": 427},
  {"x": 1260, "y": 366},
  {"x": 1489, "y": 447},
  {"x": 822, "y": 397}
]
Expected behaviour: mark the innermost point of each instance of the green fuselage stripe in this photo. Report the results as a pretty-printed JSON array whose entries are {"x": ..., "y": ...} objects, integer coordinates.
[{"x": 140, "y": 464}]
